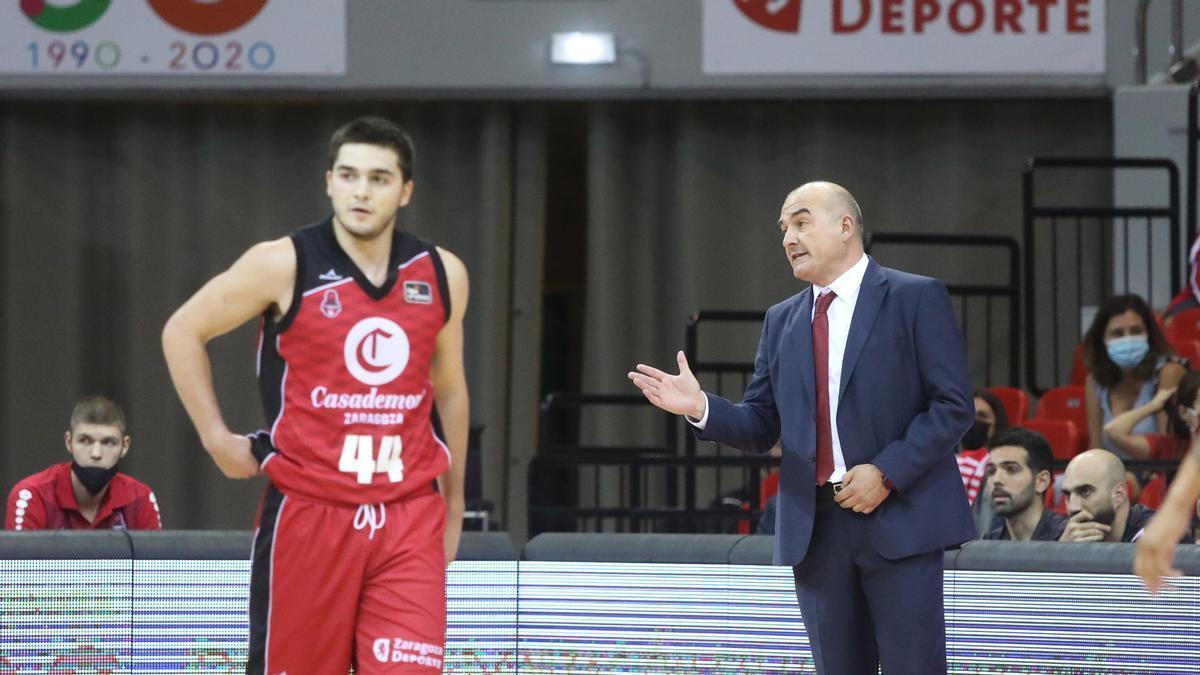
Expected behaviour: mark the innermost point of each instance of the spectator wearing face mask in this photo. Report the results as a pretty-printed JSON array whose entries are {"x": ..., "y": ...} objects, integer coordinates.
[
  {"x": 87, "y": 493},
  {"x": 990, "y": 419},
  {"x": 1129, "y": 362}
]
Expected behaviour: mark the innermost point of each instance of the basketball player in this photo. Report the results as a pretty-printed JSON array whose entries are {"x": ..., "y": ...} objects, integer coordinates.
[{"x": 361, "y": 374}]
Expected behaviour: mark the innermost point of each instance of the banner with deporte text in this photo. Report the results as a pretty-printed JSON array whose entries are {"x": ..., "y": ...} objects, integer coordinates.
[{"x": 909, "y": 37}]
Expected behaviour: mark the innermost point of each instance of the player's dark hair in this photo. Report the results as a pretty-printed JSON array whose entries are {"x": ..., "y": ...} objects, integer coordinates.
[
  {"x": 1038, "y": 455},
  {"x": 96, "y": 409},
  {"x": 375, "y": 131}
]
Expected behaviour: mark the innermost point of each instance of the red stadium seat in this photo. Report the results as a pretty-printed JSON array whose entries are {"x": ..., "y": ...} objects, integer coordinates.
[
  {"x": 1015, "y": 402},
  {"x": 1188, "y": 348},
  {"x": 743, "y": 524},
  {"x": 1183, "y": 297},
  {"x": 768, "y": 488},
  {"x": 1063, "y": 438},
  {"x": 1184, "y": 325},
  {"x": 1066, "y": 403},
  {"x": 1055, "y": 500},
  {"x": 1079, "y": 371},
  {"x": 1154, "y": 492}
]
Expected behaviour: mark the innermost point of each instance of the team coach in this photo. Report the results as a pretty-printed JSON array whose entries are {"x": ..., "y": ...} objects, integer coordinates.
[{"x": 862, "y": 377}]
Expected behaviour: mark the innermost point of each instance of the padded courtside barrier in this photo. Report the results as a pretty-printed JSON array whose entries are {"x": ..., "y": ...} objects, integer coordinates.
[
  {"x": 640, "y": 548},
  {"x": 591, "y": 603},
  {"x": 721, "y": 549},
  {"x": 188, "y": 545}
]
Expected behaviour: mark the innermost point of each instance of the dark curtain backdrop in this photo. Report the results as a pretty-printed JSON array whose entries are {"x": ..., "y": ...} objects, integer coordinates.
[{"x": 112, "y": 214}]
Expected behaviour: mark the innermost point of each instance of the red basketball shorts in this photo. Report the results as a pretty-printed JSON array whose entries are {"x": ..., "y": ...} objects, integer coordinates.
[{"x": 332, "y": 586}]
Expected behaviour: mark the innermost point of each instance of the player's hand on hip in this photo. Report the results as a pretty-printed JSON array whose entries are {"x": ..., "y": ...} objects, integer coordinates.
[
  {"x": 1156, "y": 548},
  {"x": 679, "y": 394},
  {"x": 862, "y": 489},
  {"x": 231, "y": 452}
]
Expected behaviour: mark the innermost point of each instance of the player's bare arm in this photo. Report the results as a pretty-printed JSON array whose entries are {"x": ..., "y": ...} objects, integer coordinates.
[
  {"x": 453, "y": 403},
  {"x": 261, "y": 280},
  {"x": 1156, "y": 546}
]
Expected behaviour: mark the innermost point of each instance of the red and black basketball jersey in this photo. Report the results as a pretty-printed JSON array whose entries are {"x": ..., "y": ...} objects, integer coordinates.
[{"x": 345, "y": 374}]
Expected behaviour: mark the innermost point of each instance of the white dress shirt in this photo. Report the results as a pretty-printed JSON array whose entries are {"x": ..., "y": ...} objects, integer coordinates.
[{"x": 841, "y": 310}]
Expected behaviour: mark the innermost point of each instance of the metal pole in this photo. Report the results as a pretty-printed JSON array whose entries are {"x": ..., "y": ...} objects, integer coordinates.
[
  {"x": 1191, "y": 227},
  {"x": 1031, "y": 380},
  {"x": 1139, "y": 42},
  {"x": 1176, "y": 47}
]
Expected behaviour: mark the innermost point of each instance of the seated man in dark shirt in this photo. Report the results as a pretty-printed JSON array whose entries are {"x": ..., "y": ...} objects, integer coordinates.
[
  {"x": 1098, "y": 500},
  {"x": 87, "y": 493},
  {"x": 1018, "y": 474}
]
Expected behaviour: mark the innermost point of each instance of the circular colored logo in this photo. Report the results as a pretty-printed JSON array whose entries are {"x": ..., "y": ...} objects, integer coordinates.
[
  {"x": 207, "y": 17},
  {"x": 376, "y": 351},
  {"x": 80, "y": 14},
  {"x": 780, "y": 15}
]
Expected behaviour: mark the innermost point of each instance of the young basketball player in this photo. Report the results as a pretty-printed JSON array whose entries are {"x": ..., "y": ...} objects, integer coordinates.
[{"x": 360, "y": 371}]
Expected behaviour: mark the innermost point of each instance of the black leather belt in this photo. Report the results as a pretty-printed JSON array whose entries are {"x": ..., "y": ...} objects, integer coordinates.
[{"x": 828, "y": 490}]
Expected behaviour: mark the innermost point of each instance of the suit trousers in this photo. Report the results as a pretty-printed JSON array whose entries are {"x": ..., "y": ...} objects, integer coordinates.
[{"x": 862, "y": 610}]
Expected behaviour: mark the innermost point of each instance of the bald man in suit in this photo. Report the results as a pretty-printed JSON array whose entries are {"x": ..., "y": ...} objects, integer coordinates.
[{"x": 862, "y": 377}]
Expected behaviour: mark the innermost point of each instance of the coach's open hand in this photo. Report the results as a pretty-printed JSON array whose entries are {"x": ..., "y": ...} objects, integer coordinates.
[
  {"x": 679, "y": 394},
  {"x": 862, "y": 489}
]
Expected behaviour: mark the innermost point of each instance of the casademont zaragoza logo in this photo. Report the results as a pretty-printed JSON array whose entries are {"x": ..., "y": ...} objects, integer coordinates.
[{"x": 376, "y": 351}]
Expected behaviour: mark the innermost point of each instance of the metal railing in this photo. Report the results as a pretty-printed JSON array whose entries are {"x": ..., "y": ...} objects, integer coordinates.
[
  {"x": 969, "y": 294},
  {"x": 1100, "y": 222}
]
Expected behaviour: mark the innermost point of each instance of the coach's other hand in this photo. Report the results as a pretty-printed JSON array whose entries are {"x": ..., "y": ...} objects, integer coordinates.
[{"x": 863, "y": 489}]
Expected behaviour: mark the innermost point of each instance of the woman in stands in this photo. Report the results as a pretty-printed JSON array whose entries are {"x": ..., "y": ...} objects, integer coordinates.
[
  {"x": 1129, "y": 362},
  {"x": 990, "y": 414},
  {"x": 1177, "y": 404}
]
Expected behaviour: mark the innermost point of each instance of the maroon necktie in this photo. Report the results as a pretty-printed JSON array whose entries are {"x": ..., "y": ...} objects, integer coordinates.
[{"x": 820, "y": 338}]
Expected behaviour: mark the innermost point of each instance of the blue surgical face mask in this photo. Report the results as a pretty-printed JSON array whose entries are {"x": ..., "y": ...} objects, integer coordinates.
[{"x": 1129, "y": 351}]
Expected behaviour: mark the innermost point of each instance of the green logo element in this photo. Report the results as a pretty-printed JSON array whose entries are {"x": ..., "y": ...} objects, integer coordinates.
[{"x": 64, "y": 19}]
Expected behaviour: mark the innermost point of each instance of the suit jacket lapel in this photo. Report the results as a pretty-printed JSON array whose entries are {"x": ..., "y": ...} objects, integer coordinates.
[
  {"x": 800, "y": 334},
  {"x": 870, "y": 299}
]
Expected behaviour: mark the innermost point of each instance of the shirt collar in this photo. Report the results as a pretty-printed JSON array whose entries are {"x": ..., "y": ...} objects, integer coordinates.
[
  {"x": 63, "y": 488},
  {"x": 848, "y": 284}
]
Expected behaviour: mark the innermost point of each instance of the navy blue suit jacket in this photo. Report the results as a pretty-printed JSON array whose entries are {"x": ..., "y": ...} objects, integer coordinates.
[{"x": 904, "y": 404}]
